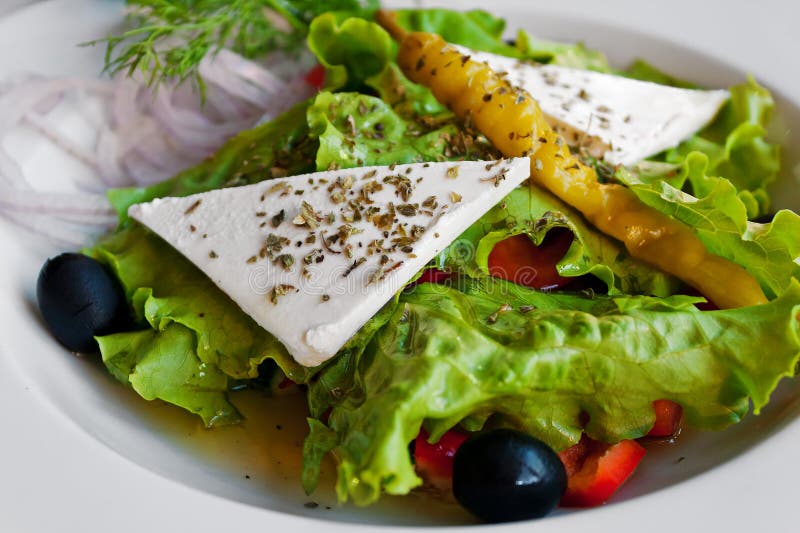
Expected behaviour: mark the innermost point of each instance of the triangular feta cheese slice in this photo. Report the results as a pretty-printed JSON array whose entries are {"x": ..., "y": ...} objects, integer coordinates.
[
  {"x": 633, "y": 119},
  {"x": 311, "y": 258}
]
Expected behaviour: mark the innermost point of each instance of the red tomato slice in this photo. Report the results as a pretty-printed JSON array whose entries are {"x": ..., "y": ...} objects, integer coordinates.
[
  {"x": 595, "y": 470},
  {"x": 434, "y": 462},
  {"x": 316, "y": 77},
  {"x": 517, "y": 259},
  {"x": 668, "y": 418}
]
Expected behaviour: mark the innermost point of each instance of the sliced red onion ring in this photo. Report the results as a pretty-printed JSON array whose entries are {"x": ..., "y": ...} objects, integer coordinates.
[
  {"x": 140, "y": 137},
  {"x": 55, "y": 203},
  {"x": 10, "y": 172},
  {"x": 242, "y": 78},
  {"x": 62, "y": 233},
  {"x": 62, "y": 141}
]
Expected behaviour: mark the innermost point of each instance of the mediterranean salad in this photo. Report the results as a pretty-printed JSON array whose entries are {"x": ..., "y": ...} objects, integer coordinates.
[{"x": 490, "y": 266}]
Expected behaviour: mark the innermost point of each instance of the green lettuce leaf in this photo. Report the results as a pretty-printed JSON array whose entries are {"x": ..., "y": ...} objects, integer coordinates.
[
  {"x": 355, "y": 129},
  {"x": 406, "y": 97},
  {"x": 332, "y": 384},
  {"x": 534, "y": 212},
  {"x": 644, "y": 71},
  {"x": 737, "y": 147},
  {"x": 719, "y": 216},
  {"x": 360, "y": 55},
  {"x": 165, "y": 288},
  {"x": 164, "y": 365},
  {"x": 214, "y": 340},
  {"x": 281, "y": 145},
  {"x": 351, "y": 49},
  {"x": 573, "y": 55},
  {"x": 476, "y": 29},
  {"x": 448, "y": 355}
]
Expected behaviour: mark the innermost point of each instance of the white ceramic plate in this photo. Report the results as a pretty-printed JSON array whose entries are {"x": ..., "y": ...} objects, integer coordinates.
[{"x": 78, "y": 452}]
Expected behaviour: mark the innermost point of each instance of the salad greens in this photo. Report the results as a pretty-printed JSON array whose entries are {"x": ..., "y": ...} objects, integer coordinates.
[
  {"x": 719, "y": 216},
  {"x": 479, "y": 351},
  {"x": 441, "y": 359},
  {"x": 368, "y": 68},
  {"x": 356, "y": 130},
  {"x": 737, "y": 148},
  {"x": 215, "y": 342},
  {"x": 477, "y": 29},
  {"x": 165, "y": 365},
  {"x": 351, "y": 49}
]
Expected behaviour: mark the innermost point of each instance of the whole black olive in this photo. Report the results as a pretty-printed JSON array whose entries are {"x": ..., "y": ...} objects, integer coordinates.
[
  {"x": 505, "y": 475},
  {"x": 80, "y": 299}
]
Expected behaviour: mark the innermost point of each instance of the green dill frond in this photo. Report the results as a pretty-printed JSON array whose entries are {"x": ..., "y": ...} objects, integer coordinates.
[{"x": 168, "y": 39}]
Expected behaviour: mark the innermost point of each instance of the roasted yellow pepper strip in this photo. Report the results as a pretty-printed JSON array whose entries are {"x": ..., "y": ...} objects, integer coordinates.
[{"x": 512, "y": 120}]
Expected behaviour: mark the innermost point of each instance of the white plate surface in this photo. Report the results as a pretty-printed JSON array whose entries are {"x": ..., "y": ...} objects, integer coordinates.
[{"x": 80, "y": 453}]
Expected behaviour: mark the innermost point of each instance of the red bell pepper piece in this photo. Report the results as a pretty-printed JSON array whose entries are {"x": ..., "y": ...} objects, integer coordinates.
[
  {"x": 316, "y": 77},
  {"x": 517, "y": 259},
  {"x": 595, "y": 470},
  {"x": 668, "y": 418},
  {"x": 434, "y": 462}
]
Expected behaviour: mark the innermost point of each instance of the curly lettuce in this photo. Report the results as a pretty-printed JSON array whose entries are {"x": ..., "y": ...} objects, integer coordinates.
[
  {"x": 165, "y": 365},
  {"x": 737, "y": 147},
  {"x": 360, "y": 55},
  {"x": 192, "y": 329},
  {"x": 448, "y": 355},
  {"x": 573, "y": 55},
  {"x": 351, "y": 49},
  {"x": 719, "y": 216},
  {"x": 355, "y": 129},
  {"x": 476, "y": 29}
]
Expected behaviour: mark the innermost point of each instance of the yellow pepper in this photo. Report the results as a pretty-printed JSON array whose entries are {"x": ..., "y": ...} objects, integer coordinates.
[{"x": 512, "y": 120}]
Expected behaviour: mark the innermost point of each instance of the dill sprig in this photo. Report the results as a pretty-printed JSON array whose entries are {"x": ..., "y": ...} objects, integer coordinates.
[{"x": 169, "y": 38}]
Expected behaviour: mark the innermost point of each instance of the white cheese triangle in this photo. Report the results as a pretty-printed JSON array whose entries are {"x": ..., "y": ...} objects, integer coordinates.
[
  {"x": 633, "y": 119},
  {"x": 315, "y": 296}
]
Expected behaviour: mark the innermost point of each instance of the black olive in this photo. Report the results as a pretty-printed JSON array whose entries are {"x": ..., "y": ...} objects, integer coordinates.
[
  {"x": 80, "y": 299},
  {"x": 505, "y": 475}
]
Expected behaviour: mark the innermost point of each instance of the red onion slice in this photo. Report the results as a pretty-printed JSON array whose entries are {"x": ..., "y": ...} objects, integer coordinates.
[{"x": 140, "y": 137}]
